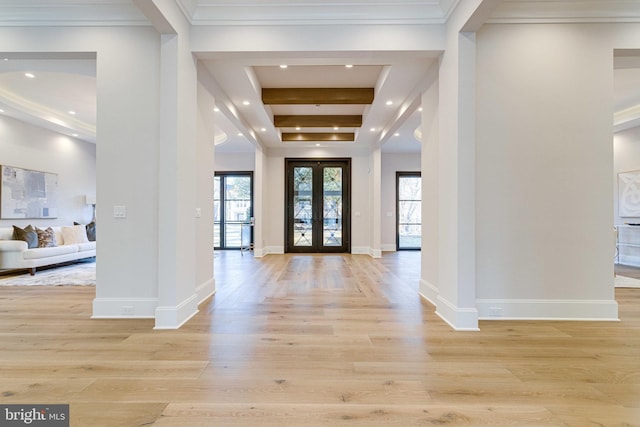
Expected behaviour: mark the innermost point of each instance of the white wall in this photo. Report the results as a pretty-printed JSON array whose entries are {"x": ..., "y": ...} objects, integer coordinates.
[
  {"x": 392, "y": 163},
  {"x": 25, "y": 146},
  {"x": 544, "y": 164},
  {"x": 234, "y": 162}
]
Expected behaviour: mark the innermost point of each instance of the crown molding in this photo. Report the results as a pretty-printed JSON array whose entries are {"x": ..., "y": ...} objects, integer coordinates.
[
  {"x": 626, "y": 119},
  {"x": 318, "y": 12},
  {"x": 71, "y": 13},
  {"x": 562, "y": 11}
]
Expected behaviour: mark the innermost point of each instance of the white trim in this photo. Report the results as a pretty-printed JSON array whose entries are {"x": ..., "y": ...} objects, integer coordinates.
[
  {"x": 173, "y": 317},
  {"x": 629, "y": 260},
  {"x": 124, "y": 308},
  {"x": 205, "y": 290},
  {"x": 428, "y": 291},
  {"x": 460, "y": 319},
  {"x": 535, "y": 309},
  {"x": 360, "y": 250}
]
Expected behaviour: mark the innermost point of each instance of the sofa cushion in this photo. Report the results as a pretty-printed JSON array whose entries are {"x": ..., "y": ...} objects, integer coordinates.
[
  {"x": 28, "y": 234},
  {"x": 46, "y": 237},
  {"x": 73, "y": 235},
  {"x": 89, "y": 246},
  {"x": 91, "y": 230},
  {"x": 37, "y": 253}
]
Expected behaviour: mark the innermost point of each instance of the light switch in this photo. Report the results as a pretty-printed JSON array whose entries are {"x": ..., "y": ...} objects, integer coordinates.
[
  {"x": 119, "y": 211},
  {"x": 198, "y": 212}
]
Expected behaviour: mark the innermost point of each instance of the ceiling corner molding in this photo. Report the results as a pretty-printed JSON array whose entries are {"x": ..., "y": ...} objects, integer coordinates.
[
  {"x": 317, "y": 12},
  {"x": 626, "y": 119},
  {"x": 83, "y": 13},
  {"x": 563, "y": 11}
]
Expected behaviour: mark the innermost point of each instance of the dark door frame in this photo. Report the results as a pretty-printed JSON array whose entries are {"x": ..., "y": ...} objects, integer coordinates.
[
  {"x": 399, "y": 174},
  {"x": 345, "y": 163},
  {"x": 223, "y": 175}
]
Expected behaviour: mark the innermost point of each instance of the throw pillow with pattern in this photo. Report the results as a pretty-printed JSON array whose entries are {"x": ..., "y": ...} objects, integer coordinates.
[{"x": 46, "y": 238}]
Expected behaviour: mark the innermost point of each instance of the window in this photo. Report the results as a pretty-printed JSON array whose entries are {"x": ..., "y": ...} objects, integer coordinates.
[
  {"x": 408, "y": 210},
  {"x": 232, "y": 206}
]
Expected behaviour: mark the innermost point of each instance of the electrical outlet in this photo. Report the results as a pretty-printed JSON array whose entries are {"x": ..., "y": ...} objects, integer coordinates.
[
  {"x": 127, "y": 309},
  {"x": 119, "y": 211},
  {"x": 495, "y": 311}
]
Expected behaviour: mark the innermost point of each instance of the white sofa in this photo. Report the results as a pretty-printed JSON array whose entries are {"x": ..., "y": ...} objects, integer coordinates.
[{"x": 15, "y": 254}]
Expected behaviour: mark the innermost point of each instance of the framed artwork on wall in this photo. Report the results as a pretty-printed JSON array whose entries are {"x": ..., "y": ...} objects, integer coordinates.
[
  {"x": 28, "y": 194},
  {"x": 629, "y": 194}
]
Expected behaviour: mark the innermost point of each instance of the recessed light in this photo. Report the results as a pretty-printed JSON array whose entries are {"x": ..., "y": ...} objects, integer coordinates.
[
  {"x": 239, "y": 133},
  {"x": 372, "y": 129},
  {"x": 396, "y": 134},
  {"x": 349, "y": 66},
  {"x": 420, "y": 109},
  {"x": 336, "y": 128},
  {"x": 6, "y": 59},
  {"x": 73, "y": 113},
  {"x": 263, "y": 129},
  {"x": 283, "y": 66},
  {"x": 317, "y": 145},
  {"x": 216, "y": 109},
  {"x": 245, "y": 103},
  {"x": 298, "y": 128},
  {"x": 29, "y": 75},
  {"x": 1, "y": 110},
  {"x": 389, "y": 102},
  {"x": 75, "y": 135}
]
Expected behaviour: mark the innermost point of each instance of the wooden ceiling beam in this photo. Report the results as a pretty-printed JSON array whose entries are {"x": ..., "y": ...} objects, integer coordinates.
[
  {"x": 318, "y": 121},
  {"x": 287, "y": 96},
  {"x": 318, "y": 137}
]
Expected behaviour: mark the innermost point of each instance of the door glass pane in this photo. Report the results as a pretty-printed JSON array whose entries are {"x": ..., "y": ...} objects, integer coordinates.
[
  {"x": 237, "y": 208},
  {"x": 409, "y": 212},
  {"x": 216, "y": 212},
  {"x": 302, "y": 206},
  {"x": 332, "y": 207}
]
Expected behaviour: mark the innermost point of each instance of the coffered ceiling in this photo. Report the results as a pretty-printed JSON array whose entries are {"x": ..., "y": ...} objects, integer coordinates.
[{"x": 319, "y": 99}]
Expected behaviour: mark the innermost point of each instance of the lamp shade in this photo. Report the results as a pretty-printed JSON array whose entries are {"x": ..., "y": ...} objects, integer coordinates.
[{"x": 89, "y": 199}]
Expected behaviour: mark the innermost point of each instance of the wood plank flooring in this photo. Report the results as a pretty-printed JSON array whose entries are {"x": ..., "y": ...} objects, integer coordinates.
[{"x": 326, "y": 340}]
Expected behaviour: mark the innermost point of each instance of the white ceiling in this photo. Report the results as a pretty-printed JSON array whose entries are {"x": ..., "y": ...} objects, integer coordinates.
[{"x": 66, "y": 83}]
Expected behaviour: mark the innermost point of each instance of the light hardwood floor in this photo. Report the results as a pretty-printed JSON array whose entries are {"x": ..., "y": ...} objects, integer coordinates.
[{"x": 316, "y": 341}]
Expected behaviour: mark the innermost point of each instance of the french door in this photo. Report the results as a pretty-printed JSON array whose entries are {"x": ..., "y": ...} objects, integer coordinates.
[{"x": 318, "y": 197}]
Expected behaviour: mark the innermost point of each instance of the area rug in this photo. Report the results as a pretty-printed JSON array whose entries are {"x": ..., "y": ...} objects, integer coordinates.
[
  {"x": 77, "y": 274},
  {"x": 626, "y": 282}
]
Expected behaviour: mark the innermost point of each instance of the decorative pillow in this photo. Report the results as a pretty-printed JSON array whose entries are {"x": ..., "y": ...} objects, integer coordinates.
[
  {"x": 91, "y": 230},
  {"x": 28, "y": 234},
  {"x": 75, "y": 234},
  {"x": 46, "y": 238}
]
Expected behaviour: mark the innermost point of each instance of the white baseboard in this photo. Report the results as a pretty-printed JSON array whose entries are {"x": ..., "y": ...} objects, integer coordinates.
[
  {"x": 172, "y": 317},
  {"x": 124, "y": 308},
  {"x": 633, "y": 261},
  {"x": 205, "y": 290},
  {"x": 531, "y": 309},
  {"x": 460, "y": 319},
  {"x": 428, "y": 291}
]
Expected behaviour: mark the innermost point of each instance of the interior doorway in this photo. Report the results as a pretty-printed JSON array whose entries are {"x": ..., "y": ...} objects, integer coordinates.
[{"x": 318, "y": 199}]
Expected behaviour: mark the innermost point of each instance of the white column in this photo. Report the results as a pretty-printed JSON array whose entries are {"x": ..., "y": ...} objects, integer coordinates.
[
  {"x": 259, "y": 181},
  {"x": 456, "y": 215},
  {"x": 430, "y": 169},
  {"x": 375, "y": 173}
]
